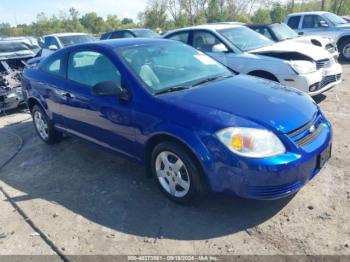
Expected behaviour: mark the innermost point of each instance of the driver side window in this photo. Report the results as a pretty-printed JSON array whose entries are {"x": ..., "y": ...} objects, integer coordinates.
[
  {"x": 312, "y": 21},
  {"x": 90, "y": 68},
  {"x": 204, "y": 41}
]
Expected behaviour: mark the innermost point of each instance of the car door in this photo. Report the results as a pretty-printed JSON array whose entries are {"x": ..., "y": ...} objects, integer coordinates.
[
  {"x": 104, "y": 120},
  {"x": 312, "y": 25},
  {"x": 208, "y": 43},
  {"x": 52, "y": 74},
  {"x": 294, "y": 23},
  {"x": 49, "y": 41}
]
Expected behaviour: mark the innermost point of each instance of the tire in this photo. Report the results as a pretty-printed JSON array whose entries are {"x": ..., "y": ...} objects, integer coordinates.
[
  {"x": 183, "y": 182},
  {"x": 44, "y": 126},
  {"x": 344, "y": 50}
]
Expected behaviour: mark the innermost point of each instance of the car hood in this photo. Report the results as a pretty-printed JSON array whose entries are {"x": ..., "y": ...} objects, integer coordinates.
[
  {"x": 292, "y": 47},
  {"x": 257, "y": 100},
  {"x": 343, "y": 26}
]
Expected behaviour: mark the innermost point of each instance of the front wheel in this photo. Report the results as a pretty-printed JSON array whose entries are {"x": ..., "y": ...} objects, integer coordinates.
[
  {"x": 44, "y": 127},
  {"x": 344, "y": 50},
  {"x": 176, "y": 172}
]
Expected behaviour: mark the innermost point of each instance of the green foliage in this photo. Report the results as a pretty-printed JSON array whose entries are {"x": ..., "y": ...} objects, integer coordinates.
[
  {"x": 261, "y": 16},
  {"x": 278, "y": 13},
  {"x": 182, "y": 13}
]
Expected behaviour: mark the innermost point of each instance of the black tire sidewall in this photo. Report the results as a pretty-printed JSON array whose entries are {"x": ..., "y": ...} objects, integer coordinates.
[
  {"x": 193, "y": 171},
  {"x": 341, "y": 49}
]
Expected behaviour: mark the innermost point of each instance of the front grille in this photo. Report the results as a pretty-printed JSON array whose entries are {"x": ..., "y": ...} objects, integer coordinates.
[
  {"x": 305, "y": 134},
  {"x": 329, "y": 79},
  {"x": 326, "y": 80},
  {"x": 324, "y": 63},
  {"x": 271, "y": 191},
  {"x": 310, "y": 137}
]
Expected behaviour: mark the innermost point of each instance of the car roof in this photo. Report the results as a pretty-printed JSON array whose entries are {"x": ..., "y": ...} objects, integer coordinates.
[
  {"x": 309, "y": 13},
  {"x": 123, "y": 42},
  {"x": 213, "y": 26},
  {"x": 65, "y": 34},
  {"x": 127, "y": 29}
]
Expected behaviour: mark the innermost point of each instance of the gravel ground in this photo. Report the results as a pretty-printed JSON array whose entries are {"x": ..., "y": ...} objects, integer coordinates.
[{"x": 83, "y": 200}]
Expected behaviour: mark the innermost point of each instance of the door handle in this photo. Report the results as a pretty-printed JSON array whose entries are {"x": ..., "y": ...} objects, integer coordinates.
[{"x": 64, "y": 93}]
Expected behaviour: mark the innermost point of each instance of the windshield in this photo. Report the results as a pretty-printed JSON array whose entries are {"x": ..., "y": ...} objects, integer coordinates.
[
  {"x": 9, "y": 46},
  {"x": 283, "y": 32},
  {"x": 169, "y": 65},
  {"x": 245, "y": 38},
  {"x": 76, "y": 39},
  {"x": 336, "y": 20},
  {"x": 145, "y": 33}
]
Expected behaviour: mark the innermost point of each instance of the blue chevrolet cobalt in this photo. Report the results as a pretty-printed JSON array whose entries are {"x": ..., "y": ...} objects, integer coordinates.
[{"x": 196, "y": 125}]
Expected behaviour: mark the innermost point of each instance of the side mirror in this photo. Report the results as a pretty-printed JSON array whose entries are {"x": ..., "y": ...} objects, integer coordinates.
[
  {"x": 219, "y": 48},
  {"x": 53, "y": 47},
  {"x": 323, "y": 23},
  {"x": 109, "y": 88}
]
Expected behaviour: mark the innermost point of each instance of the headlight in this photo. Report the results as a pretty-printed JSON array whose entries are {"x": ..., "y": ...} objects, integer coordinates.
[
  {"x": 251, "y": 142},
  {"x": 303, "y": 67}
]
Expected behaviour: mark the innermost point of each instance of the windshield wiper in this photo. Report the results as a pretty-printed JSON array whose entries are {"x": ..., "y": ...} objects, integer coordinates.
[
  {"x": 171, "y": 89},
  {"x": 210, "y": 79}
]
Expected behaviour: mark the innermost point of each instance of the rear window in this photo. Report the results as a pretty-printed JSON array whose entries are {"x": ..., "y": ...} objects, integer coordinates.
[{"x": 293, "y": 22}]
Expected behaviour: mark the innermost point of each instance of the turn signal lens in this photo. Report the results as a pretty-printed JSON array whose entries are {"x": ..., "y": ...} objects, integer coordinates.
[{"x": 251, "y": 142}]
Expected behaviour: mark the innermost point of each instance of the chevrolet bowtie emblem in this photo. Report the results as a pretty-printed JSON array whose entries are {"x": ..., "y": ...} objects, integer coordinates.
[{"x": 312, "y": 129}]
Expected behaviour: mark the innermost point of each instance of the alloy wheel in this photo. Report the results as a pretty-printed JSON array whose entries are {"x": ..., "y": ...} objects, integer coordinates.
[
  {"x": 41, "y": 125},
  {"x": 172, "y": 174}
]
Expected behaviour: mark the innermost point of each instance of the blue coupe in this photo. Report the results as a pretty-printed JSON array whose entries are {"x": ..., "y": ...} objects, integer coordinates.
[{"x": 196, "y": 125}]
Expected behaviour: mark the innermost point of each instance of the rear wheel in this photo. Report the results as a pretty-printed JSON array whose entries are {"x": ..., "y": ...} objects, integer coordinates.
[
  {"x": 176, "y": 172},
  {"x": 344, "y": 50},
  {"x": 44, "y": 127}
]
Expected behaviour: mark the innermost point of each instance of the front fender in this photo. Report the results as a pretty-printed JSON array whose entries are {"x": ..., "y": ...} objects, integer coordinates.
[{"x": 190, "y": 138}]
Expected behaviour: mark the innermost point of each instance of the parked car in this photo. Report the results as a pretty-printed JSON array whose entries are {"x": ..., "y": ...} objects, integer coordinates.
[
  {"x": 130, "y": 33},
  {"x": 55, "y": 42},
  {"x": 346, "y": 18},
  {"x": 14, "y": 53},
  {"x": 281, "y": 32},
  {"x": 323, "y": 24},
  {"x": 305, "y": 67},
  {"x": 189, "y": 119}
]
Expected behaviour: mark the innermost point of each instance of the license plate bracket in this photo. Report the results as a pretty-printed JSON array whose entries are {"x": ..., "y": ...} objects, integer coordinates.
[{"x": 324, "y": 157}]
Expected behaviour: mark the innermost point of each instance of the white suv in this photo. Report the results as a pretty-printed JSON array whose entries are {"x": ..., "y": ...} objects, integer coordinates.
[
  {"x": 304, "y": 66},
  {"x": 57, "y": 41}
]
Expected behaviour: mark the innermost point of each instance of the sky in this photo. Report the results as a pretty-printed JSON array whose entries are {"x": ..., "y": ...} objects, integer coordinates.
[{"x": 25, "y": 11}]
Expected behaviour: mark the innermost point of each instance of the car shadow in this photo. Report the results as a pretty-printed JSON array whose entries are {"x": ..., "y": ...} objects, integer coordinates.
[
  {"x": 116, "y": 193},
  {"x": 319, "y": 98}
]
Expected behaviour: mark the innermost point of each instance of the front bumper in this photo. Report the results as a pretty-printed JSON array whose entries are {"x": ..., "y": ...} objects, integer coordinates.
[
  {"x": 331, "y": 77},
  {"x": 314, "y": 83},
  {"x": 267, "y": 178},
  {"x": 301, "y": 82}
]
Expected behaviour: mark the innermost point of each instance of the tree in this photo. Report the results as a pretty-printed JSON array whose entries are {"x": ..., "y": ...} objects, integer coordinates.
[
  {"x": 155, "y": 14},
  {"x": 278, "y": 13},
  {"x": 261, "y": 16},
  {"x": 93, "y": 23},
  {"x": 126, "y": 21}
]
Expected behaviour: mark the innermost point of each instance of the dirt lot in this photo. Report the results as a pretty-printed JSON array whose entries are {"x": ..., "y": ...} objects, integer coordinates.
[{"x": 83, "y": 200}]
